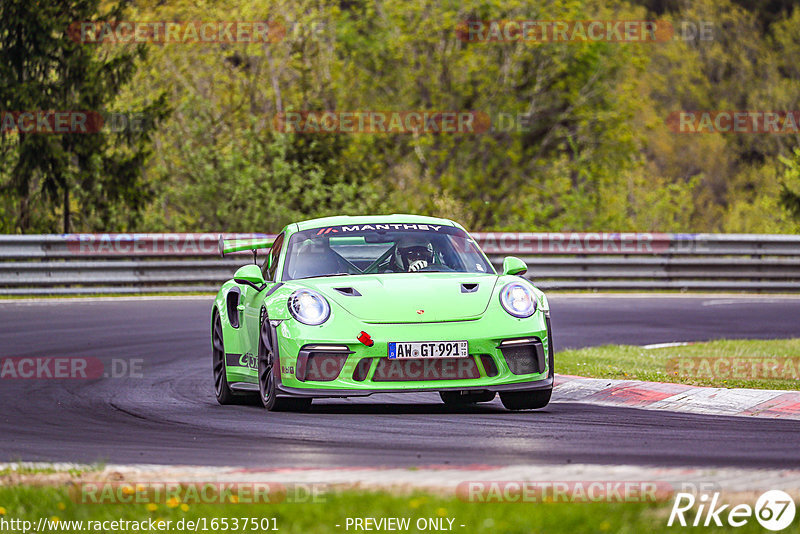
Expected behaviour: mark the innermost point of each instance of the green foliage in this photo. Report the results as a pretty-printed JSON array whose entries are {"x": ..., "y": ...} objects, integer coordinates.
[
  {"x": 93, "y": 179},
  {"x": 578, "y": 140},
  {"x": 790, "y": 188}
]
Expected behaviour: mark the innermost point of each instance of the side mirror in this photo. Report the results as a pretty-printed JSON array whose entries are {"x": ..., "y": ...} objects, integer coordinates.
[
  {"x": 250, "y": 275},
  {"x": 514, "y": 265}
]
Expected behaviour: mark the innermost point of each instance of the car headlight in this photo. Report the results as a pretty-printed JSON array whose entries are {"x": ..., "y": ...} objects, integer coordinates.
[
  {"x": 518, "y": 300},
  {"x": 309, "y": 307}
]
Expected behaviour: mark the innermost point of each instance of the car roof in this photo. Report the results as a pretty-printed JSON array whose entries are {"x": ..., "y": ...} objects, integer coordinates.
[{"x": 371, "y": 219}]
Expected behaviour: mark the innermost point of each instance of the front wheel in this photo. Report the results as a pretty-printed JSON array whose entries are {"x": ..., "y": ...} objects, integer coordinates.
[
  {"x": 526, "y": 400},
  {"x": 266, "y": 376}
]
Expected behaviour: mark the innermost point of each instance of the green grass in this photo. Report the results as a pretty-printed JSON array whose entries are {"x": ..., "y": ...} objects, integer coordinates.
[
  {"x": 777, "y": 363},
  {"x": 31, "y": 503}
]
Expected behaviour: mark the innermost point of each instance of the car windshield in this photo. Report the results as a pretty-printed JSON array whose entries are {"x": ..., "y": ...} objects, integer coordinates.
[{"x": 382, "y": 249}]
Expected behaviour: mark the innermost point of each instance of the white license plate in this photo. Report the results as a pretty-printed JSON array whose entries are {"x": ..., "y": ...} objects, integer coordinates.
[{"x": 400, "y": 350}]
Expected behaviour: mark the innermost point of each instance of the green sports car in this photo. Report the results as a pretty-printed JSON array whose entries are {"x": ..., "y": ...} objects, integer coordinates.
[{"x": 351, "y": 306}]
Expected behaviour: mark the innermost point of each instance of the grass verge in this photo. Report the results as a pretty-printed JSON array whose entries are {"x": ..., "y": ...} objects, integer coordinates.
[
  {"x": 760, "y": 364},
  {"x": 54, "y": 504}
]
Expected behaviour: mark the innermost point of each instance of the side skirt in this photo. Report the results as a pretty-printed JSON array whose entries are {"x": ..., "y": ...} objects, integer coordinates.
[{"x": 244, "y": 387}]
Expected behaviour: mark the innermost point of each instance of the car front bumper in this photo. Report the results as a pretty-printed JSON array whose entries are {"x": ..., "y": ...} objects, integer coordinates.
[
  {"x": 484, "y": 335},
  {"x": 362, "y": 391}
]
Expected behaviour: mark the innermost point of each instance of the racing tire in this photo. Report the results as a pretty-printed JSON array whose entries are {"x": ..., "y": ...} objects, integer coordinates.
[
  {"x": 222, "y": 390},
  {"x": 267, "y": 389},
  {"x": 266, "y": 375},
  {"x": 456, "y": 398},
  {"x": 526, "y": 400}
]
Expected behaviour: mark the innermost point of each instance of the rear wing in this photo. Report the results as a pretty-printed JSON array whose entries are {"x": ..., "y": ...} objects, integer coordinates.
[{"x": 228, "y": 246}]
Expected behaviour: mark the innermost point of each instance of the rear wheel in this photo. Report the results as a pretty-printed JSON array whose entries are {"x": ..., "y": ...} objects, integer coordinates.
[
  {"x": 457, "y": 398},
  {"x": 221, "y": 388},
  {"x": 526, "y": 400}
]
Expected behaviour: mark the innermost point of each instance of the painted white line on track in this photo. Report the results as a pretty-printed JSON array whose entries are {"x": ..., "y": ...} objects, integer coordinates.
[{"x": 730, "y": 301}]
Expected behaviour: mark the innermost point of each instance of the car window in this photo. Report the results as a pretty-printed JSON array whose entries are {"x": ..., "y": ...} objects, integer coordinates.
[
  {"x": 382, "y": 249},
  {"x": 274, "y": 253}
]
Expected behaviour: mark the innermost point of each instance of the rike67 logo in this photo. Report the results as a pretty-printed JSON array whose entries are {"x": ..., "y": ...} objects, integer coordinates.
[{"x": 774, "y": 510}]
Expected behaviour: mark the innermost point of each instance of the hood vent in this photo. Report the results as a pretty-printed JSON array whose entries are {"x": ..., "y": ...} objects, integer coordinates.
[
  {"x": 348, "y": 291},
  {"x": 469, "y": 288}
]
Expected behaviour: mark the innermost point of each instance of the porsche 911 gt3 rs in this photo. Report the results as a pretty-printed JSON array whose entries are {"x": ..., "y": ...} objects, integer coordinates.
[{"x": 351, "y": 306}]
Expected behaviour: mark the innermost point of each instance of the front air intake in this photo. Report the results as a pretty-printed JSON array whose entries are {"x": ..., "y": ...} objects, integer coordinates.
[
  {"x": 488, "y": 365},
  {"x": 348, "y": 291},
  {"x": 320, "y": 363},
  {"x": 362, "y": 370},
  {"x": 523, "y": 356}
]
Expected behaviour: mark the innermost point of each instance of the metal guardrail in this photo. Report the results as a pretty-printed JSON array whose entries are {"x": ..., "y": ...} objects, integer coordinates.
[{"x": 154, "y": 263}]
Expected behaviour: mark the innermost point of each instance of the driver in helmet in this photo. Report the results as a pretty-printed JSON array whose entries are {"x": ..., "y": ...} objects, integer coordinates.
[{"x": 413, "y": 253}]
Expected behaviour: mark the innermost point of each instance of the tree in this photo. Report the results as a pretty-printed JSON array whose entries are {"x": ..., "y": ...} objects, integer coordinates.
[{"x": 43, "y": 67}]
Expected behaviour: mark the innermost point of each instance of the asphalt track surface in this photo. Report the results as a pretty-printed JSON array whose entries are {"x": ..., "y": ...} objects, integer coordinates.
[{"x": 169, "y": 416}]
